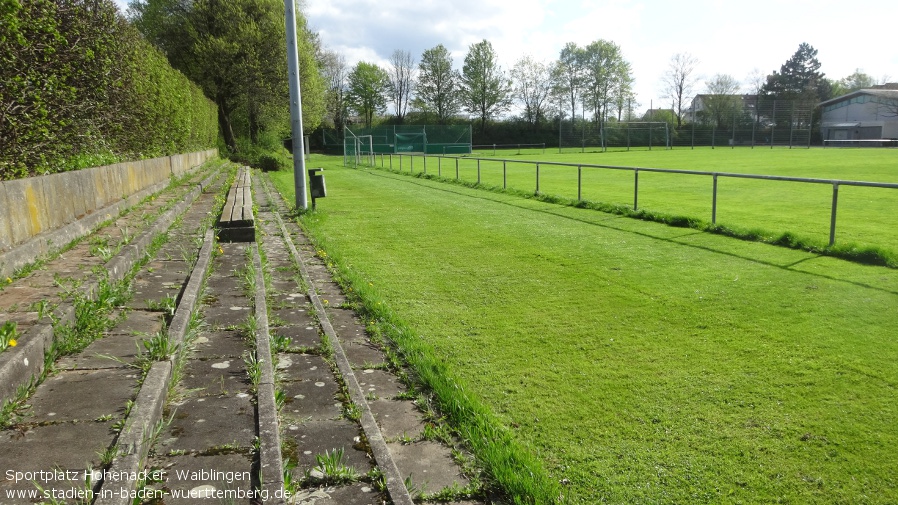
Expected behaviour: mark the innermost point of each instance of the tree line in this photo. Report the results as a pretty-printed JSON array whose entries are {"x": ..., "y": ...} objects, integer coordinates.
[{"x": 587, "y": 83}]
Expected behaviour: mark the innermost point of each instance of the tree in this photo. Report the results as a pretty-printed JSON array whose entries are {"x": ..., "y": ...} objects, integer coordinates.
[
  {"x": 333, "y": 69},
  {"x": 236, "y": 51},
  {"x": 533, "y": 87},
  {"x": 438, "y": 86},
  {"x": 722, "y": 102},
  {"x": 402, "y": 79},
  {"x": 854, "y": 82},
  {"x": 369, "y": 86},
  {"x": 679, "y": 82},
  {"x": 485, "y": 88},
  {"x": 568, "y": 74},
  {"x": 604, "y": 71},
  {"x": 799, "y": 78}
]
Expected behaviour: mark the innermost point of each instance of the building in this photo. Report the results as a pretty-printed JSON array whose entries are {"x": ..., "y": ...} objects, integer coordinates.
[{"x": 866, "y": 114}]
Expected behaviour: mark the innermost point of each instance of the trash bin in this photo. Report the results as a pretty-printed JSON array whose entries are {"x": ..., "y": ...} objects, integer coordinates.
[{"x": 316, "y": 183}]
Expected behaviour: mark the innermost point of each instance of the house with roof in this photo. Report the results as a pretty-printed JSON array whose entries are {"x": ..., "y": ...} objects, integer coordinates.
[{"x": 866, "y": 114}]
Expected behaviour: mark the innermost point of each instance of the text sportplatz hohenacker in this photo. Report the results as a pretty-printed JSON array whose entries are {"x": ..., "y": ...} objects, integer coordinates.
[{"x": 49, "y": 476}]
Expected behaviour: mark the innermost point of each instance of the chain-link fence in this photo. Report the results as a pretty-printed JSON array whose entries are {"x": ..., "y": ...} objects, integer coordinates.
[{"x": 715, "y": 121}]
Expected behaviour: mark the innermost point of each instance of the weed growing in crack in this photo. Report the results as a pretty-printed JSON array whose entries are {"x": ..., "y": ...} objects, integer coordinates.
[
  {"x": 253, "y": 369},
  {"x": 330, "y": 469},
  {"x": 352, "y": 412}
]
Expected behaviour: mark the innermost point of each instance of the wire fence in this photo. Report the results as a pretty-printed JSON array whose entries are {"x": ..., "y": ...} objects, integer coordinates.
[{"x": 454, "y": 166}]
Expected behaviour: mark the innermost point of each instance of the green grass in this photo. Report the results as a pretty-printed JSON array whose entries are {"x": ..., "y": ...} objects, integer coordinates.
[
  {"x": 765, "y": 208},
  {"x": 639, "y": 363}
]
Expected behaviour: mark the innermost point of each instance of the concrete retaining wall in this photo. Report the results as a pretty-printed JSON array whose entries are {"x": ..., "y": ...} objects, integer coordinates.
[{"x": 34, "y": 210}]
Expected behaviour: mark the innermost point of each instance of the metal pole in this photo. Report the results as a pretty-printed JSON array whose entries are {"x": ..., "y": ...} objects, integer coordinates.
[
  {"x": 537, "y": 178},
  {"x": 579, "y": 183},
  {"x": 832, "y": 221},
  {"x": 635, "y": 188},
  {"x": 478, "y": 170},
  {"x": 425, "y": 164},
  {"x": 456, "y": 169},
  {"x": 714, "y": 203},
  {"x": 504, "y": 175},
  {"x": 440, "y": 166},
  {"x": 299, "y": 158}
]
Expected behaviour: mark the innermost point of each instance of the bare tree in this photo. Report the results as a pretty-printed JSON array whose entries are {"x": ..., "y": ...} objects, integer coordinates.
[
  {"x": 402, "y": 79},
  {"x": 334, "y": 70},
  {"x": 679, "y": 82},
  {"x": 533, "y": 86},
  {"x": 722, "y": 101}
]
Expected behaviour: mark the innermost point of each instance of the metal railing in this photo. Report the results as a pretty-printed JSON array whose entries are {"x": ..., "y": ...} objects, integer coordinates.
[
  {"x": 508, "y": 147},
  {"x": 835, "y": 183}
]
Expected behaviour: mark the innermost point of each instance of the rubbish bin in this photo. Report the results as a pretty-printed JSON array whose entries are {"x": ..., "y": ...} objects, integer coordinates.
[{"x": 316, "y": 184}]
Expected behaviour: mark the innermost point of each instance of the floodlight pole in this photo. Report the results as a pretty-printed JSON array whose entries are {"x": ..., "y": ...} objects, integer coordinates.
[{"x": 299, "y": 152}]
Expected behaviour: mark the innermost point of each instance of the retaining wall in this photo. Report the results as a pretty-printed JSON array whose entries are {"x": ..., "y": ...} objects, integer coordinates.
[{"x": 41, "y": 214}]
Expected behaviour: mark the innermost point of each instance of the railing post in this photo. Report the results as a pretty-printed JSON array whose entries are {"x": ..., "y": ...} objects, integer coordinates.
[
  {"x": 425, "y": 164},
  {"x": 391, "y": 161},
  {"x": 714, "y": 203},
  {"x": 478, "y": 170},
  {"x": 832, "y": 222},
  {"x": 456, "y": 169},
  {"x": 579, "y": 183},
  {"x": 504, "y": 175},
  {"x": 537, "y": 178},
  {"x": 635, "y": 189},
  {"x": 440, "y": 166}
]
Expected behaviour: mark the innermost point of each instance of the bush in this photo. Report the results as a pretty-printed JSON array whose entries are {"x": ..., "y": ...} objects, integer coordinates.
[{"x": 80, "y": 84}]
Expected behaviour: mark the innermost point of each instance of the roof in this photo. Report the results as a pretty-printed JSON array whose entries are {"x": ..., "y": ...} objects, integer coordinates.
[{"x": 889, "y": 94}]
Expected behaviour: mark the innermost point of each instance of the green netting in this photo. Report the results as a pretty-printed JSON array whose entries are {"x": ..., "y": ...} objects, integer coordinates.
[{"x": 430, "y": 139}]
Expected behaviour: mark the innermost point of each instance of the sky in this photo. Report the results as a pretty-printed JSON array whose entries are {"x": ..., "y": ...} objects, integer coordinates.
[{"x": 725, "y": 36}]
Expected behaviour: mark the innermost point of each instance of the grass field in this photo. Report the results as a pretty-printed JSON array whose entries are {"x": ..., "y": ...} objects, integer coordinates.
[
  {"x": 640, "y": 363},
  {"x": 865, "y": 215}
]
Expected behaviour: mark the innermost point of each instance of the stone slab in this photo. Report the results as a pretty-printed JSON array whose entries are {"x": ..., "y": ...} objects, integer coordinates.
[
  {"x": 113, "y": 351},
  {"x": 223, "y": 317},
  {"x": 69, "y": 446},
  {"x": 429, "y": 464},
  {"x": 397, "y": 418},
  {"x": 141, "y": 322},
  {"x": 220, "y": 344},
  {"x": 221, "y": 376},
  {"x": 191, "y": 479},
  {"x": 317, "y": 437},
  {"x": 379, "y": 383},
  {"x": 201, "y": 424},
  {"x": 296, "y": 316},
  {"x": 310, "y": 400},
  {"x": 361, "y": 355},
  {"x": 83, "y": 395},
  {"x": 300, "y": 336},
  {"x": 355, "y": 494},
  {"x": 347, "y": 325}
]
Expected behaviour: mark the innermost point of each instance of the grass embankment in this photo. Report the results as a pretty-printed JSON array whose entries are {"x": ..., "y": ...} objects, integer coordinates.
[
  {"x": 639, "y": 362},
  {"x": 786, "y": 213}
]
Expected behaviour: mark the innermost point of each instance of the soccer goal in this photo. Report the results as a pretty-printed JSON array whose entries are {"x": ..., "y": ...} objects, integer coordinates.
[{"x": 358, "y": 149}]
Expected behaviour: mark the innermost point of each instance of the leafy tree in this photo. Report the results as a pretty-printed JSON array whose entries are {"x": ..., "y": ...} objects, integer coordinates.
[
  {"x": 854, "y": 82},
  {"x": 799, "y": 78},
  {"x": 533, "y": 87},
  {"x": 368, "y": 88},
  {"x": 236, "y": 51},
  {"x": 722, "y": 103},
  {"x": 605, "y": 74},
  {"x": 485, "y": 88},
  {"x": 439, "y": 86},
  {"x": 679, "y": 82},
  {"x": 402, "y": 80},
  {"x": 569, "y": 74}
]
